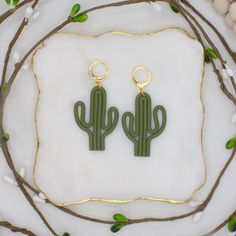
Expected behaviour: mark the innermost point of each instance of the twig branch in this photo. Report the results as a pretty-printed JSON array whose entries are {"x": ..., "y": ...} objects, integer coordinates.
[
  {"x": 13, "y": 41},
  {"x": 15, "y": 229},
  {"x": 4, "y": 148},
  {"x": 220, "y": 36},
  {"x": 22, "y": 183},
  {"x": 21, "y": 186},
  {"x": 219, "y": 227},
  {"x": 186, "y": 14},
  {"x": 8, "y": 13}
]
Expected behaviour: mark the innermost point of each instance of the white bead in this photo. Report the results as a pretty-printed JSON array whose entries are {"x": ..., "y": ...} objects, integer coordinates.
[
  {"x": 35, "y": 15},
  {"x": 22, "y": 172},
  {"x": 9, "y": 180},
  {"x": 156, "y": 6},
  {"x": 233, "y": 118},
  {"x": 221, "y": 6},
  {"x": 197, "y": 217},
  {"x": 232, "y": 11},
  {"x": 42, "y": 196},
  {"x": 229, "y": 71},
  {"x": 229, "y": 21},
  {"x": 38, "y": 199},
  {"x": 194, "y": 203},
  {"x": 28, "y": 12},
  {"x": 16, "y": 57}
]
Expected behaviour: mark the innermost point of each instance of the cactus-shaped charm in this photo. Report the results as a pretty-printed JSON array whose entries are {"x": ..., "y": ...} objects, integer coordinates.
[
  {"x": 97, "y": 127},
  {"x": 138, "y": 127}
]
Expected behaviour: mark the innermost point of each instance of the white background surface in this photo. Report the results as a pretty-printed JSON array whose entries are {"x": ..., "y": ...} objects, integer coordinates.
[{"x": 137, "y": 19}]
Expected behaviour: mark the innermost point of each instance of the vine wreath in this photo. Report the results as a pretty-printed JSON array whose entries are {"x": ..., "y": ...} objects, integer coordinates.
[{"x": 212, "y": 56}]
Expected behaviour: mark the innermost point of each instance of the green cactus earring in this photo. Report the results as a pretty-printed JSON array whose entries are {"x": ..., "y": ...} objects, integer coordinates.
[
  {"x": 138, "y": 127},
  {"x": 97, "y": 127}
]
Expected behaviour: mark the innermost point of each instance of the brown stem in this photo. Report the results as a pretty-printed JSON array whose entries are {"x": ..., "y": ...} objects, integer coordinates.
[
  {"x": 186, "y": 14},
  {"x": 21, "y": 186},
  {"x": 231, "y": 53},
  {"x": 18, "y": 66},
  {"x": 183, "y": 10},
  {"x": 219, "y": 227},
  {"x": 15, "y": 229},
  {"x": 220, "y": 36},
  {"x": 233, "y": 82},
  {"x": 4, "y": 147},
  {"x": 13, "y": 41},
  {"x": 8, "y": 13},
  {"x": 222, "y": 85}
]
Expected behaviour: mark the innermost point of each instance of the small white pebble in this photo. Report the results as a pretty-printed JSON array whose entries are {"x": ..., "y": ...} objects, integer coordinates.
[
  {"x": 42, "y": 196},
  {"x": 156, "y": 6},
  {"x": 197, "y": 217},
  {"x": 35, "y": 15},
  {"x": 229, "y": 21},
  {"x": 25, "y": 66},
  {"x": 22, "y": 172},
  {"x": 233, "y": 118},
  {"x": 229, "y": 71},
  {"x": 194, "y": 203},
  {"x": 221, "y": 6},
  {"x": 9, "y": 180},
  {"x": 38, "y": 199},
  {"x": 232, "y": 11},
  {"x": 16, "y": 57},
  {"x": 28, "y": 12}
]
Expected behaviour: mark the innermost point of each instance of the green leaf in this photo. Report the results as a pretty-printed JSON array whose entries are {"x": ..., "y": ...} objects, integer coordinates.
[
  {"x": 120, "y": 218},
  {"x": 115, "y": 228},
  {"x": 15, "y": 2},
  {"x": 211, "y": 53},
  {"x": 75, "y": 9},
  {"x": 5, "y": 137},
  {"x": 232, "y": 225},
  {"x": 80, "y": 18},
  {"x": 66, "y": 234},
  {"x": 207, "y": 59},
  {"x": 8, "y": 2},
  {"x": 174, "y": 9},
  {"x": 231, "y": 143},
  {"x": 4, "y": 88}
]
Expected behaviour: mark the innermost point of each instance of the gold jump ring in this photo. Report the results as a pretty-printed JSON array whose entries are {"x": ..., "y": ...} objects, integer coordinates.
[
  {"x": 141, "y": 85},
  {"x": 98, "y": 78}
]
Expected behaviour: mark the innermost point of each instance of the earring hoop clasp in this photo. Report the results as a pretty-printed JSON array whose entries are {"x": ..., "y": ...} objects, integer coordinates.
[
  {"x": 98, "y": 78},
  {"x": 141, "y": 85}
]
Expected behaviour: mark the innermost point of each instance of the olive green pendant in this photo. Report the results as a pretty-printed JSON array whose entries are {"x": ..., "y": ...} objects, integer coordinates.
[
  {"x": 138, "y": 127},
  {"x": 97, "y": 128}
]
